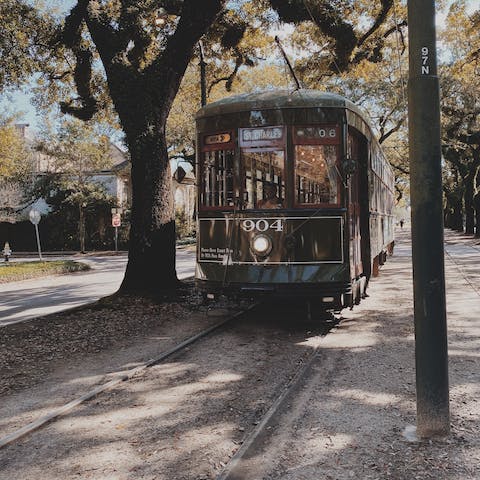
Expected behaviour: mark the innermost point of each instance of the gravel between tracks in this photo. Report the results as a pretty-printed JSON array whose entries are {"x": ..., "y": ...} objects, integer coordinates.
[{"x": 184, "y": 419}]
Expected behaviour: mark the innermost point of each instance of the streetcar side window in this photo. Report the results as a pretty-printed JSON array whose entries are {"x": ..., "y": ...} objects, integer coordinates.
[
  {"x": 316, "y": 176},
  {"x": 264, "y": 179},
  {"x": 217, "y": 179}
]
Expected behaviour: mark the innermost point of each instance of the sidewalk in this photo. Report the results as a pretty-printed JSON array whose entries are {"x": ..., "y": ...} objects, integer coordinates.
[{"x": 348, "y": 419}]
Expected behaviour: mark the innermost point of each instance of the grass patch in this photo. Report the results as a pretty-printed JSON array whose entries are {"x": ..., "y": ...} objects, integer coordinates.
[{"x": 22, "y": 270}]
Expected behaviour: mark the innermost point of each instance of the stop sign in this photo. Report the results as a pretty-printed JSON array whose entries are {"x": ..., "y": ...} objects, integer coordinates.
[{"x": 116, "y": 220}]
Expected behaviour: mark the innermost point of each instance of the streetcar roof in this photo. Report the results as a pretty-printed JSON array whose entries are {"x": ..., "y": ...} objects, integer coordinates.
[{"x": 278, "y": 99}]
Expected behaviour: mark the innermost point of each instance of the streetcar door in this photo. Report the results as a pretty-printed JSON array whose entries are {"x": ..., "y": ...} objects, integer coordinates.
[{"x": 354, "y": 210}]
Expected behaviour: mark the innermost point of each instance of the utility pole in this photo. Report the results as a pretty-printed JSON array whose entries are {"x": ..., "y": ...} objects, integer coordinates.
[
  {"x": 203, "y": 75},
  {"x": 431, "y": 355}
]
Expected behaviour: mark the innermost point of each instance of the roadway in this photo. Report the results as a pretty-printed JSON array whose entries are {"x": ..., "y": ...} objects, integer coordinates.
[{"x": 27, "y": 299}]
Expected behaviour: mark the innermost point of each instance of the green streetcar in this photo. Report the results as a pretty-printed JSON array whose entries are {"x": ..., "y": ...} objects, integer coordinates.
[{"x": 295, "y": 198}]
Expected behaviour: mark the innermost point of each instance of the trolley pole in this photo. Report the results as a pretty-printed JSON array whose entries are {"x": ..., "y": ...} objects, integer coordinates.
[{"x": 431, "y": 355}]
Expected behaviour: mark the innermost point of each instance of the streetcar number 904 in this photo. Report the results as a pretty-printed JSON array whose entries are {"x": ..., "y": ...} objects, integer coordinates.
[{"x": 262, "y": 225}]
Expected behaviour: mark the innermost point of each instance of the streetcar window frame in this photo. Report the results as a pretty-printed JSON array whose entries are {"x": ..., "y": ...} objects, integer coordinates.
[
  {"x": 215, "y": 149},
  {"x": 281, "y": 187},
  {"x": 327, "y": 141}
]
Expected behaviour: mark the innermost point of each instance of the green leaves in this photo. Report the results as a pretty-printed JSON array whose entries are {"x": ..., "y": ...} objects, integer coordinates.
[
  {"x": 23, "y": 41},
  {"x": 14, "y": 162}
]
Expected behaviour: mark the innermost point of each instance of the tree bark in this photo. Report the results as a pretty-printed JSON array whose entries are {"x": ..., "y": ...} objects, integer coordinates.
[{"x": 151, "y": 260}]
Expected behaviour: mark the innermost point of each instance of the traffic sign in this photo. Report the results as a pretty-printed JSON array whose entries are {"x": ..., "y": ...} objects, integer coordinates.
[
  {"x": 116, "y": 220},
  {"x": 34, "y": 216}
]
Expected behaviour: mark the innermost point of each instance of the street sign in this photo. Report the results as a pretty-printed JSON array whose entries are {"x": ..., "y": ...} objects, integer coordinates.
[
  {"x": 116, "y": 220},
  {"x": 34, "y": 216}
]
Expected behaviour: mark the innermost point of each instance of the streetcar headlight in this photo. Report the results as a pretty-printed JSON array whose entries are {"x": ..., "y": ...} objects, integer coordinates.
[{"x": 262, "y": 245}]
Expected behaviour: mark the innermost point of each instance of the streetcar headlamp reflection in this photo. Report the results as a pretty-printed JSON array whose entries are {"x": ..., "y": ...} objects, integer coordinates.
[{"x": 262, "y": 245}]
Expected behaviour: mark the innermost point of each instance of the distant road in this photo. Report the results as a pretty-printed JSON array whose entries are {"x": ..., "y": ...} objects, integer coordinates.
[{"x": 27, "y": 299}]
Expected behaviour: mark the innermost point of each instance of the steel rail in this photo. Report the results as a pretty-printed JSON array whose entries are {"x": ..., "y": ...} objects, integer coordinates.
[
  {"x": 232, "y": 470},
  {"x": 121, "y": 377}
]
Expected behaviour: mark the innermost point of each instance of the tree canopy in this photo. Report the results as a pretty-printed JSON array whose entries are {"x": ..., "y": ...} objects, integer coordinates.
[
  {"x": 24, "y": 34},
  {"x": 460, "y": 118},
  {"x": 14, "y": 158}
]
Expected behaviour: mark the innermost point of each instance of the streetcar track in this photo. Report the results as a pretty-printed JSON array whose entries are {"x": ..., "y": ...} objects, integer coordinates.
[
  {"x": 231, "y": 470},
  {"x": 120, "y": 378}
]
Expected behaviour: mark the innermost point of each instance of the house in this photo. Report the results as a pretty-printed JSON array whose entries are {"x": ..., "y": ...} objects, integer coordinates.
[{"x": 116, "y": 179}]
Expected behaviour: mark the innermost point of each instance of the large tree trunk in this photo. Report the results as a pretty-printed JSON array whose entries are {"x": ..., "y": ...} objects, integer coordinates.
[{"x": 151, "y": 261}]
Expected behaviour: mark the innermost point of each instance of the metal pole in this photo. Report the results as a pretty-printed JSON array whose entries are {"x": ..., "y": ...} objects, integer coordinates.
[
  {"x": 38, "y": 242},
  {"x": 116, "y": 239},
  {"x": 431, "y": 355},
  {"x": 203, "y": 75},
  {"x": 289, "y": 65}
]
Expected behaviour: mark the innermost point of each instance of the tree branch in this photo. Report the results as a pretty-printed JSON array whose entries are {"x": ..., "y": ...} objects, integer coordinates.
[
  {"x": 193, "y": 24},
  {"x": 83, "y": 82},
  {"x": 229, "y": 78},
  {"x": 109, "y": 42},
  {"x": 71, "y": 33},
  {"x": 379, "y": 19}
]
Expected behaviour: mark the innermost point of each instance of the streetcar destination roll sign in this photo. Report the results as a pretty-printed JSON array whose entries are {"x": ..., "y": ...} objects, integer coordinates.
[{"x": 218, "y": 138}]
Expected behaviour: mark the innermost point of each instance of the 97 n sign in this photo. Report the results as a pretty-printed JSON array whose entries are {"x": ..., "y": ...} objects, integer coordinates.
[{"x": 262, "y": 225}]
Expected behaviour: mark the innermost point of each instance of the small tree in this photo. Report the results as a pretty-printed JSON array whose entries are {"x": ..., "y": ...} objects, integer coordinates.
[
  {"x": 77, "y": 152},
  {"x": 74, "y": 211}
]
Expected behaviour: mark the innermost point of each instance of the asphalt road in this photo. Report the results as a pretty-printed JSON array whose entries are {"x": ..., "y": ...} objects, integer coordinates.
[{"x": 27, "y": 299}]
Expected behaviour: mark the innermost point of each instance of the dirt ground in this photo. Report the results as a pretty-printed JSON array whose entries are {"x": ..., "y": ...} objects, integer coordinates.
[
  {"x": 47, "y": 362},
  {"x": 185, "y": 419},
  {"x": 182, "y": 419}
]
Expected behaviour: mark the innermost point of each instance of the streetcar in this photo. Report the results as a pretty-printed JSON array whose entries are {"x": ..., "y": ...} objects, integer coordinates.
[{"x": 295, "y": 198}]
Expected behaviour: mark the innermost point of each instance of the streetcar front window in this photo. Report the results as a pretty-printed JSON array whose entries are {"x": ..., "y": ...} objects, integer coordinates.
[
  {"x": 264, "y": 179},
  {"x": 316, "y": 176},
  {"x": 217, "y": 179}
]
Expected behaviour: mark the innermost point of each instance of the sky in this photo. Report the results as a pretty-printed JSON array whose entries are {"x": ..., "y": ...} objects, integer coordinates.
[{"x": 20, "y": 100}]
